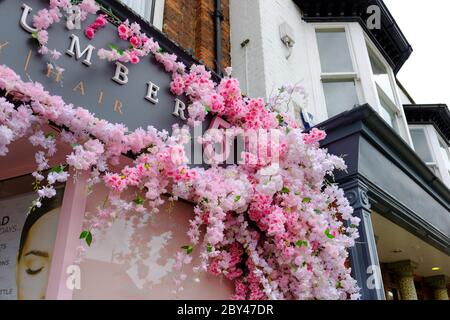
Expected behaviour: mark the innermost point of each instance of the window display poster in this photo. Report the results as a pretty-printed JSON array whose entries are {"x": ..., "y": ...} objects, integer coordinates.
[{"x": 26, "y": 246}]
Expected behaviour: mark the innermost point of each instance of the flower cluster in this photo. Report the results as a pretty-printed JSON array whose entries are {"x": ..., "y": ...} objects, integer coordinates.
[
  {"x": 99, "y": 23},
  {"x": 275, "y": 228},
  {"x": 274, "y": 225},
  {"x": 139, "y": 45},
  {"x": 45, "y": 18}
]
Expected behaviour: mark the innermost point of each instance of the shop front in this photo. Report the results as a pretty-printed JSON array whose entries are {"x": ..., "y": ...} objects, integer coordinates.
[{"x": 39, "y": 248}]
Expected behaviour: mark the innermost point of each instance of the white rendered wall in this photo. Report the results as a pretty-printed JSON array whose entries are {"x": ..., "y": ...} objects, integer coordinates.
[{"x": 262, "y": 67}]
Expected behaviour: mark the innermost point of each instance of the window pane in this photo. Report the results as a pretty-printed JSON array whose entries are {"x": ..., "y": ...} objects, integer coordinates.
[
  {"x": 381, "y": 76},
  {"x": 142, "y": 7},
  {"x": 387, "y": 114},
  {"x": 334, "y": 51},
  {"x": 340, "y": 96},
  {"x": 421, "y": 145},
  {"x": 445, "y": 154}
]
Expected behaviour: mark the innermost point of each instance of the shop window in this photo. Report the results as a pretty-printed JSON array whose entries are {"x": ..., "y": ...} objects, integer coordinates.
[
  {"x": 150, "y": 10},
  {"x": 337, "y": 71},
  {"x": 27, "y": 239}
]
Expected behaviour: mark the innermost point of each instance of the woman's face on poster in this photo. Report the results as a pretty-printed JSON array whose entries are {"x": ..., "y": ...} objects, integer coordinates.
[{"x": 34, "y": 265}]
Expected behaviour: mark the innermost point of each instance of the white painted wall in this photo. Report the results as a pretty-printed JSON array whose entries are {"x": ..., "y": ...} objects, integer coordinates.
[
  {"x": 404, "y": 97},
  {"x": 262, "y": 66}
]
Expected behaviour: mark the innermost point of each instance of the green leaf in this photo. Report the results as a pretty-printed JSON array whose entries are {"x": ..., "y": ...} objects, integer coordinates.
[
  {"x": 280, "y": 119},
  {"x": 139, "y": 201},
  {"x": 50, "y": 135},
  {"x": 87, "y": 236},
  {"x": 74, "y": 145},
  {"x": 209, "y": 248},
  {"x": 338, "y": 285},
  {"x": 285, "y": 190},
  {"x": 34, "y": 35},
  {"x": 84, "y": 234},
  {"x": 58, "y": 169},
  {"x": 307, "y": 200},
  {"x": 89, "y": 239},
  {"x": 328, "y": 234},
  {"x": 207, "y": 108},
  {"x": 117, "y": 49},
  {"x": 237, "y": 198},
  {"x": 317, "y": 211},
  {"x": 188, "y": 249},
  {"x": 301, "y": 243}
]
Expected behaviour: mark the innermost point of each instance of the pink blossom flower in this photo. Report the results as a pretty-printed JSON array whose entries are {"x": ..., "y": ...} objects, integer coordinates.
[
  {"x": 90, "y": 33},
  {"x": 177, "y": 85},
  {"x": 47, "y": 192},
  {"x": 101, "y": 21},
  {"x": 56, "y": 54},
  {"x": 134, "y": 58},
  {"x": 42, "y": 37},
  {"x": 135, "y": 41},
  {"x": 89, "y": 6},
  {"x": 124, "y": 32}
]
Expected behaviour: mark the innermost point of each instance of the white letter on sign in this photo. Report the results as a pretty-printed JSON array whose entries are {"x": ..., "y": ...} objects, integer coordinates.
[
  {"x": 23, "y": 19},
  {"x": 152, "y": 93},
  {"x": 121, "y": 76},
  {"x": 75, "y": 50},
  {"x": 180, "y": 107}
]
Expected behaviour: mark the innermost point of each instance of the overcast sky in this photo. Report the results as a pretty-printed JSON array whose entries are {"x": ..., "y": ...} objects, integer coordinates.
[{"x": 426, "y": 25}]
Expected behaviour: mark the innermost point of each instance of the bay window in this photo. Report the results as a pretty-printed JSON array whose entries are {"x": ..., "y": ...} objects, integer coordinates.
[
  {"x": 338, "y": 73},
  {"x": 433, "y": 150},
  {"x": 384, "y": 88},
  {"x": 422, "y": 146},
  {"x": 445, "y": 153},
  {"x": 150, "y": 10},
  {"x": 348, "y": 70}
]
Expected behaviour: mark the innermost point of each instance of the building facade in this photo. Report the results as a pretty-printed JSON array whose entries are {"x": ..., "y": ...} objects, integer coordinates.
[{"x": 346, "y": 55}]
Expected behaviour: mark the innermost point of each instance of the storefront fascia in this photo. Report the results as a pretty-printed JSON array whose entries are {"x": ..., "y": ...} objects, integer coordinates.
[{"x": 385, "y": 176}]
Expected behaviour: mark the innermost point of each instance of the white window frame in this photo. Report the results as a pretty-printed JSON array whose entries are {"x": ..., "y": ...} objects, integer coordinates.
[
  {"x": 158, "y": 14},
  {"x": 396, "y": 106},
  {"x": 359, "y": 45},
  {"x": 316, "y": 67},
  {"x": 433, "y": 138}
]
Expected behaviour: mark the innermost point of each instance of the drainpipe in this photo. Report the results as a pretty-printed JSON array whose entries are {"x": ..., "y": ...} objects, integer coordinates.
[{"x": 218, "y": 17}]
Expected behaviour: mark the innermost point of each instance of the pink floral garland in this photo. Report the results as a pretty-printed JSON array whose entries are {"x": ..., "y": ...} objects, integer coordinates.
[{"x": 274, "y": 225}]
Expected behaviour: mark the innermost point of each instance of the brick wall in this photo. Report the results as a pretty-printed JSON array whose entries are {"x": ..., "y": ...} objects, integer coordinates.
[{"x": 190, "y": 23}]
